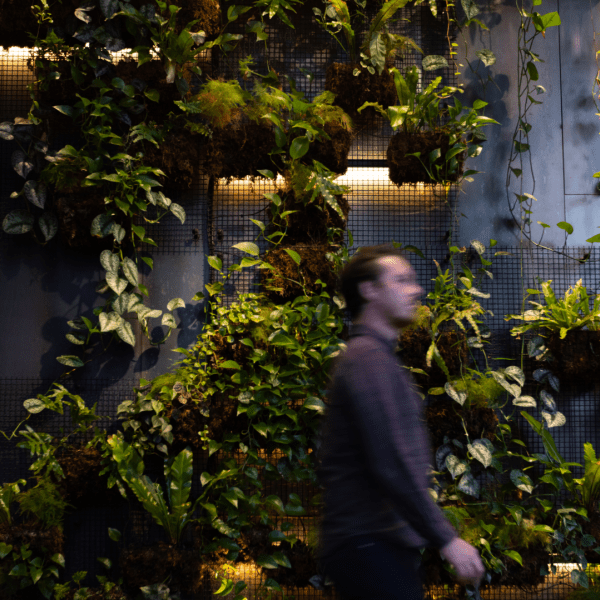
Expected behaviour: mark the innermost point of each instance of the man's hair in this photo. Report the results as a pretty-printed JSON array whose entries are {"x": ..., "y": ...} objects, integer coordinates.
[{"x": 363, "y": 266}]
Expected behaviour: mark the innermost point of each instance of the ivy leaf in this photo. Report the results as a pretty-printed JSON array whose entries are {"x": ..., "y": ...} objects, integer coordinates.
[
  {"x": 21, "y": 164},
  {"x": 525, "y": 402},
  {"x": 114, "y": 534},
  {"x": 579, "y": 577},
  {"x": 281, "y": 559},
  {"x": 34, "y": 406},
  {"x": 549, "y": 402},
  {"x": 521, "y": 481},
  {"x": 18, "y": 221},
  {"x": 82, "y": 13},
  {"x": 6, "y": 133},
  {"x": 516, "y": 373},
  {"x": 554, "y": 420},
  {"x": 481, "y": 452},
  {"x": 168, "y": 320},
  {"x": 125, "y": 332},
  {"x": 110, "y": 261},
  {"x": 102, "y": 225},
  {"x": 487, "y": 57},
  {"x": 130, "y": 271},
  {"x": 70, "y": 360},
  {"x": 48, "y": 224},
  {"x": 109, "y": 322},
  {"x": 175, "y": 303},
  {"x": 468, "y": 485},
  {"x": 178, "y": 211},
  {"x": 35, "y": 192},
  {"x": 109, "y": 7},
  {"x": 459, "y": 397},
  {"x": 440, "y": 456},
  {"x": 455, "y": 465},
  {"x": 470, "y": 7},
  {"x": 117, "y": 284},
  {"x": 433, "y": 62}
]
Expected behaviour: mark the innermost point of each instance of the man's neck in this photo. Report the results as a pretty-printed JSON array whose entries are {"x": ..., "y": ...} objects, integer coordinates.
[{"x": 373, "y": 321}]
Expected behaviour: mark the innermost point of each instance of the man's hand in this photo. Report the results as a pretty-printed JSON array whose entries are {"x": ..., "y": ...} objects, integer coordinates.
[{"x": 465, "y": 559}]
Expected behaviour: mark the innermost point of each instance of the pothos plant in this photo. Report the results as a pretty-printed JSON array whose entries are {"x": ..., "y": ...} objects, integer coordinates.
[
  {"x": 467, "y": 484},
  {"x": 253, "y": 385}
]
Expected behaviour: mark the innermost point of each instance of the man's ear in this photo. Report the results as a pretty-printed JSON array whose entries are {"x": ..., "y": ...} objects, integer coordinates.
[{"x": 367, "y": 289}]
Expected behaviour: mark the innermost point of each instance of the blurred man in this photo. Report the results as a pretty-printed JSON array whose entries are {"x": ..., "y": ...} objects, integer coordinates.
[{"x": 375, "y": 450}]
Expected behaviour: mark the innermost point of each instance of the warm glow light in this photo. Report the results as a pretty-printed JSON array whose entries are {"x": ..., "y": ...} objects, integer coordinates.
[{"x": 363, "y": 174}]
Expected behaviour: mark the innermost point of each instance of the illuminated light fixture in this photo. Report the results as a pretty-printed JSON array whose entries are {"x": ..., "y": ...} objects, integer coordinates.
[{"x": 364, "y": 174}]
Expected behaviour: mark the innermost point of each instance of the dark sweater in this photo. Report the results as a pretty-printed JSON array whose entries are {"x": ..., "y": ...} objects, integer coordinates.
[{"x": 375, "y": 452}]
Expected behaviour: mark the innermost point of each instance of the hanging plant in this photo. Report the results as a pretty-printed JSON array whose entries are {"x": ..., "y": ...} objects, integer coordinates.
[
  {"x": 430, "y": 145},
  {"x": 569, "y": 332},
  {"x": 365, "y": 78}
]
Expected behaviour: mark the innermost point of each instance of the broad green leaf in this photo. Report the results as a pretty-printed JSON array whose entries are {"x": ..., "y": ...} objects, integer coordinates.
[
  {"x": 470, "y": 7},
  {"x": 248, "y": 247},
  {"x": 514, "y": 555},
  {"x": 457, "y": 396},
  {"x": 267, "y": 562},
  {"x": 281, "y": 559},
  {"x": 114, "y": 534},
  {"x": 315, "y": 404},
  {"x": 179, "y": 481},
  {"x": 294, "y": 255},
  {"x": 525, "y": 402},
  {"x": 557, "y": 419},
  {"x": 299, "y": 147},
  {"x": 566, "y": 226},
  {"x": 230, "y": 364}
]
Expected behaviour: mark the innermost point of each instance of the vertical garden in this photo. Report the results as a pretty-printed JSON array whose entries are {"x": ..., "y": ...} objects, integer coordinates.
[{"x": 181, "y": 182}]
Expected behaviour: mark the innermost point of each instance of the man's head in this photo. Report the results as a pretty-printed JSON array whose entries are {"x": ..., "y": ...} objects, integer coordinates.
[{"x": 381, "y": 280}]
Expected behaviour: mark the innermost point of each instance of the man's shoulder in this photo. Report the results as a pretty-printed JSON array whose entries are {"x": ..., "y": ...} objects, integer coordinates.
[{"x": 366, "y": 348}]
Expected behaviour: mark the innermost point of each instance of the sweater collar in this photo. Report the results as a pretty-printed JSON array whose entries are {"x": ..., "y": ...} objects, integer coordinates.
[{"x": 358, "y": 330}]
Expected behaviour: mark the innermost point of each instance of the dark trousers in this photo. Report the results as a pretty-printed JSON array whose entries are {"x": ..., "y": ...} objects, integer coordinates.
[{"x": 369, "y": 568}]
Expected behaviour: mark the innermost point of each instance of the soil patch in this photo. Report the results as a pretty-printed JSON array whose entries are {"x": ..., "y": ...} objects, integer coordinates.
[
  {"x": 314, "y": 265},
  {"x": 577, "y": 356},
  {"x": 41, "y": 540},
  {"x": 408, "y": 169},
  {"x": 445, "y": 418},
  {"x": 351, "y": 91},
  {"x": 310, "y": 222},
  {"x": 83, "y": 485},
  {"x": 147, "y": 565},
  {"x": 76, "y": 211},
  {"x": 239, "y": 150},
  {"x": 452, "y": 345},
  {"x": 333, "y": 153}
]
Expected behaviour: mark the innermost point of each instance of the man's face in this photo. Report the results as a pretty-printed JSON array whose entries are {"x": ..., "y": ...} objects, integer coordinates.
[{"x": 397, "y": 291}]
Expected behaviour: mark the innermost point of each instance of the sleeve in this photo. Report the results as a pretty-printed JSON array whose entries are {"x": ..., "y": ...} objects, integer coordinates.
[{"x": 395, "y": 441}]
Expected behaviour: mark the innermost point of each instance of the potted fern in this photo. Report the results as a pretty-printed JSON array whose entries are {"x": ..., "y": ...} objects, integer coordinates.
[{"x": 567, "y": 332}]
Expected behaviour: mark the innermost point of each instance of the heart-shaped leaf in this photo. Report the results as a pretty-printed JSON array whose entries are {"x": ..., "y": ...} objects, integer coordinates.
[
  {"x": 18, "y": 221},
  {"x": 48, "y": 224}
]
